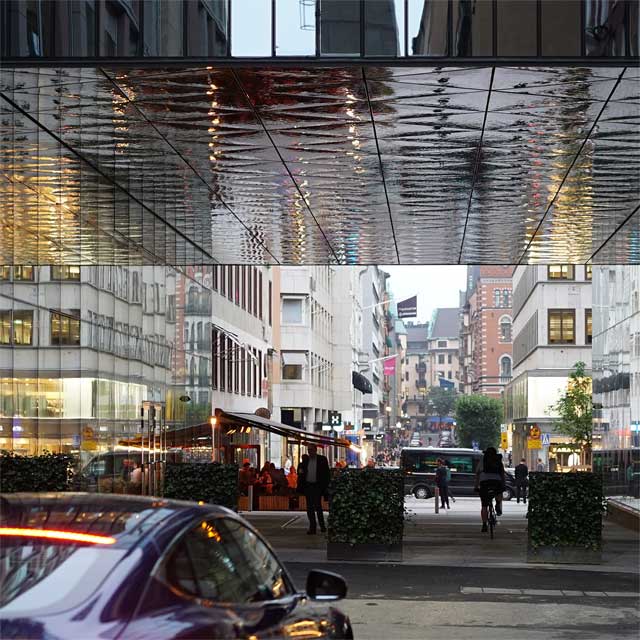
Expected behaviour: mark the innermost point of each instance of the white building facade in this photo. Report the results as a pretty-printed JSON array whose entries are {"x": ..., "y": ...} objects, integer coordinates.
[{"x": 551, "y": 332}]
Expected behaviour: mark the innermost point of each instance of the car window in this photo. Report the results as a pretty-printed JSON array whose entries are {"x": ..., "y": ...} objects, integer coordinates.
[
  {"x": 223, "y": 561},
  {"x": 461, "y": 464}
]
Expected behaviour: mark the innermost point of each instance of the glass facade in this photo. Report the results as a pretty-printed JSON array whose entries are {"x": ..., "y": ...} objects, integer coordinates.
[
  {"x": 78, "y": 357},
  {"x": 362, "y": 28}
]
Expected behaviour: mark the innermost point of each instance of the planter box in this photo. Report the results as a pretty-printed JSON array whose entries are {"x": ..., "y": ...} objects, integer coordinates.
[
  {"x": 273, "y": 503},
  {"x": 564, "y": 555},
  {"x": 371, "y": 551}
]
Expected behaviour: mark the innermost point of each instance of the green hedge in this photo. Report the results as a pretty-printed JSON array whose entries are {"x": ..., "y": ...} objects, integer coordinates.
[
  {"x": 565, "y": 510},
  {"x": 367, "y": 506},
  {"x": 210, "y": 482},
  {"x": 48, "y": 472}
]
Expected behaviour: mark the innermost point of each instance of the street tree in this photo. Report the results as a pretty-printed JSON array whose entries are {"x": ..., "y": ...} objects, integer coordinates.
[
  {"x": 441, "y": 402},
  {"x": 478, "y": 418},
  {"x": 574, "y": 408}
]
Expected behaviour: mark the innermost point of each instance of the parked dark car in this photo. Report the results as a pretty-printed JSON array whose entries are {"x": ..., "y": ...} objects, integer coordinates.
[
  {"x": 77, "y": 565},
  {"x": 419, "y": 467}
]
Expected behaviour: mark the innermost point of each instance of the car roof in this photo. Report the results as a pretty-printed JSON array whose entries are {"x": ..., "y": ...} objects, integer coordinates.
[
  {"x": 443, "y": 450},
  {"x": 129, "y": 519}
]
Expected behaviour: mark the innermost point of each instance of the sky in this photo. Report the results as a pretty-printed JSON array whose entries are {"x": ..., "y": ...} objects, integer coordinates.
[{"x": 436, "y": 286}]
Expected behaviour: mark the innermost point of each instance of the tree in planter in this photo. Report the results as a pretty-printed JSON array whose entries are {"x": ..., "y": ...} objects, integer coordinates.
[
  {"x": 441, "y": 401},
  {"x": 478, "y": 418},
  {"x": 575, "y": 411}
]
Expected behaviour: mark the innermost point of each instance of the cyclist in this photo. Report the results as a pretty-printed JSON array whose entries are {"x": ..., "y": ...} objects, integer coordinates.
[{"x": 490, "y": 477}]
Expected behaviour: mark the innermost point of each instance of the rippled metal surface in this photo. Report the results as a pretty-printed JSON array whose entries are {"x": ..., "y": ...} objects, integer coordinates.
[{"x": 335, "y": 165}]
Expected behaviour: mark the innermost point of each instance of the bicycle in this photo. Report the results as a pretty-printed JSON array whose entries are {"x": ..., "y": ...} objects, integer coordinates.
[{"x": 492, "y": 518}]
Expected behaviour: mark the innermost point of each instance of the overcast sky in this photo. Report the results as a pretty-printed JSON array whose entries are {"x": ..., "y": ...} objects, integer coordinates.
[{"x": 435, "y": 286}]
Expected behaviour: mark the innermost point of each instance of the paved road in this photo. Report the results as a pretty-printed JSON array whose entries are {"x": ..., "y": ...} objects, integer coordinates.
[{"x": 456, "y": 583}]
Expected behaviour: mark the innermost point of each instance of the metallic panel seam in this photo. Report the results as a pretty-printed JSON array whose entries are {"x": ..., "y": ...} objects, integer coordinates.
[
  {"x": 597, "y": 251},
  {"x": 258, "y": 117},
  {"x": 573, "y": 162},
  {"x": 111, "y": 180},
  {"x": 384, "y": 182},
  {"x": 477, "y": 163},
  {"x": 173, "y": 148}
]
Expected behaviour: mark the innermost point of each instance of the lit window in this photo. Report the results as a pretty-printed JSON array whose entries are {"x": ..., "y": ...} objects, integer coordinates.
[
  {"x": 562, "y": 326},
  {"x": 65, "y": 272},
  {"x": 5, "y": 327},
  {"x": 588, "y": 327},
  {"x": 291, "y": 311},
  {"x": 23, "y": 273},
  {"x": 588, "y": 272},
  {"x": 560, "y": 272},
  {"x": 22, "y": 327},
  {"x": 65, "y": 329},
  {"x": 5, "y": 272},
  {"x": 293, "y": 364}
]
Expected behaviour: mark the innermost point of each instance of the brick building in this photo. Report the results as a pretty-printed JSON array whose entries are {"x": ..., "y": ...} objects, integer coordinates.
[{"x": 485, "y": 349}]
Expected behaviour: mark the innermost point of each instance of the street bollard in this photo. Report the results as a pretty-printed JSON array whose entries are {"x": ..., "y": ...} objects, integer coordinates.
[
  {"x": 250, "y": 499},
  {"x": 437, "y": 498}
]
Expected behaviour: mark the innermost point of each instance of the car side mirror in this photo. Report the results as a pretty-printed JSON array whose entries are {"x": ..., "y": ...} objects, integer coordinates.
[{"x": 324, "y": 585}]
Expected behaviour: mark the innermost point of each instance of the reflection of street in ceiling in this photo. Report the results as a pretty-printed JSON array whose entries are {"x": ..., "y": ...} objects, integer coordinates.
[{"x": 313, "y": 166}]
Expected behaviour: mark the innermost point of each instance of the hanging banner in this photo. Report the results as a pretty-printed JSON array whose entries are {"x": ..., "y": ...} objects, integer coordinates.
[
  {"x": 389, "y": 366},
  {"x": 408, "y": 308}
]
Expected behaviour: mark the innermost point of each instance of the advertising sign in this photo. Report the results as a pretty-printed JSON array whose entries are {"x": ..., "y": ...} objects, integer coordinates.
[
  {"x": 504, "y": 441},
  {"x": 534, "y": 443},
  {"x": 389, "y": 366}
]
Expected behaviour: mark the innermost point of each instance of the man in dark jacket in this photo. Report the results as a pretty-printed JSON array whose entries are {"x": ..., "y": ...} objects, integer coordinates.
[
  {"x": 313, "y": 482},
  {"x": 522, "y": 471},
  {"x": 443, "y": 484}
]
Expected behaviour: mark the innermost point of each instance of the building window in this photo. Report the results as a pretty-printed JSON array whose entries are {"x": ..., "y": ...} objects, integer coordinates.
[
  {"x": 449, "y": 375},
  {"x": 260, "y": 296},
  {"x": 588, "y": 327},
  {"x": 293, "y": 363},
  {"x": 223, "y": 280},
  {"x": 229, "y": 356},
  {"x": 442, "y": 344},
  {"x": 255, "y": 291},
  {"x": 560, "y": 272},
  {"x": 237, "y": 285},
  {"x": 230, "y": 282},
  {"x": 244, "y": 287},
  {"x": 449, "y": 359},
  {"x": 505, "y": 368},
  {"x": 214, "y": 278},
  {"x": 65, "y": 272},
  {"x": 506, "y": 298},
  {"x": 270, "y": 303},
  {"x": 562, "y": 324},
  {"x": 5, "y": 272},
  {"x": 505, "y": 329},
  {"x": 16, "y": 327},
  {"x": 254, "y": 372},
  {"x": 441, "y": 358},
  {"x": 214, "y": 357},
  {"x": 496, "y": 297},
  {"x": 65, "y": 328},
  {"x": 588, "y": 272},
  {"x": 292, "y": 311},
  {"x": 23, "y": 273}
]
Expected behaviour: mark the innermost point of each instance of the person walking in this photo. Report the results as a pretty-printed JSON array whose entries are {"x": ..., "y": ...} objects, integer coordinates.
[
  {"x": 442, "y": 484},
  {"x": 540, "y": 465},
  {"x": 521, "y": 473},
  {"x": 449, "y": 493},
  {"x": 313, "y": 481}
]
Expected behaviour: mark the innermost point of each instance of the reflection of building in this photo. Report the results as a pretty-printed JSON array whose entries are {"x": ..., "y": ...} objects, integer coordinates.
[
  {"x": 114, "y": 28},
  {"x": 82, "y": 347},
  {"x": 616, "y": 357},
  {"x": 485, "y": 351},
  {"x": 551, "y": 332},
  {"x": 340, "y": 27},
  {"x": 239, "y": 341},
  {"x": 443, "y": 347},
  {"x": 416, "y": 374},
  {"x": 374, "y": 344}
]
